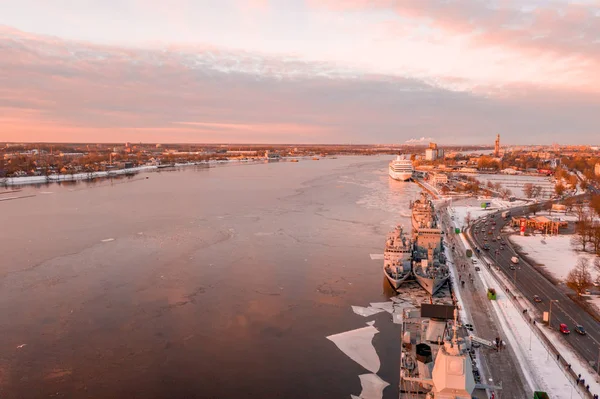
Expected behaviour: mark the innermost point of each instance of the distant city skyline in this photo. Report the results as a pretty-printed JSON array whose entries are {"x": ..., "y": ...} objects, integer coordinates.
[{"x": 328, "y": 71}]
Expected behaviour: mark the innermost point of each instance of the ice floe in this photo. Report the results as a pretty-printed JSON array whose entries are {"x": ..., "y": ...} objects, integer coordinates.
[
  {"x": 358, "y": 346},
  {"x": 372, "y": 387},
  {"x": 376, "y": 256},
  {"x": 108, "y": 240},
  {"x": 365, "y": 312}
]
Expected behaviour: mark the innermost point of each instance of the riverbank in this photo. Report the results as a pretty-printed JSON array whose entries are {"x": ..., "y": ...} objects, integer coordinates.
[{"x": 56, "y": 178}]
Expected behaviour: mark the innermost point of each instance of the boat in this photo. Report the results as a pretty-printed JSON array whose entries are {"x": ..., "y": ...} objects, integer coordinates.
[
  {"x": 430, "y": 271},
  {"x": 437, "y": 363},
  {"x": 166, "y": 165},
  {"x": 315, "y": 159},
  {"x": 422, "y": 211},
  {"x": 401, "y": 169},
  {"x": 397, "y": 257},
  {"x": 272, "y": 156},
  {"x": 293, "y": 160}
]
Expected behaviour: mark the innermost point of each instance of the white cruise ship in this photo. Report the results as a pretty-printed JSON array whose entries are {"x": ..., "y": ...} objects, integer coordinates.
[{"x": 401, "y": 169}]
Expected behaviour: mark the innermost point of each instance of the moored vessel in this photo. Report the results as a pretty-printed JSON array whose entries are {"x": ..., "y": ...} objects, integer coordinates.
[{"x": 401, "y": 169}]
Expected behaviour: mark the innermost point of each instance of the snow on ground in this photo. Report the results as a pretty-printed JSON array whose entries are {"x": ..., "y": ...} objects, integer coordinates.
[
  {"x": 516, "y": 182},
  {"x": 554, "y": 252},
  {"x": 460, "y": 208},
  {"x": 358, "y": 346},
  {"x": 590, "y": 376},
  {"x": 539, "y": 367}
]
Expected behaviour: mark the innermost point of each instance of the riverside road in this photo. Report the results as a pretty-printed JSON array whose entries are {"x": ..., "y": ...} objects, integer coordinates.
[{"x": 530, "y": 282}]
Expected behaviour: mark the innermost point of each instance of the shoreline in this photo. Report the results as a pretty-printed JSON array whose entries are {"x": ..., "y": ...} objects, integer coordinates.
[{"x": 55, "y": 178}]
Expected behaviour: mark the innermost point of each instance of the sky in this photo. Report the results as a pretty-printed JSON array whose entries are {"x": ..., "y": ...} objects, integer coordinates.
[{"x": 300, "y": 71}]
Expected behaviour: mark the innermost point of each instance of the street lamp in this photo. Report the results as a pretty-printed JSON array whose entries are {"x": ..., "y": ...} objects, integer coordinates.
[{"x": 550, "y": 314}]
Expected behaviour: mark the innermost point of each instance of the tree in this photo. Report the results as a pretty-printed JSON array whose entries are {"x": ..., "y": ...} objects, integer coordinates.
[
  {"x": 595, "y": 204},
  {"x": 597, "y": 266},
  {"x": 537, "y": 191},
  {"x": 579, "y": 278},
  {"x": 528, "y": 190},
  {"x": 505, "y": 192},
  {"x": 534, "y": 208},
  {"x": 559, "y": 189}
]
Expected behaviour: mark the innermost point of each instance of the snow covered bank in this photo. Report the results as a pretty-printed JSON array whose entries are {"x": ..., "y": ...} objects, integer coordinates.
[{"x": 553, "y": 252}]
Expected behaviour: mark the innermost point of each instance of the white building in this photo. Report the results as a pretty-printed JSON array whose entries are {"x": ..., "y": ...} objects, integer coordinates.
[{"x": 431, "y": 154}]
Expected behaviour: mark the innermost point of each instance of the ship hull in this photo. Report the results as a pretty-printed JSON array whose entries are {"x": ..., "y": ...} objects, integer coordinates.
[
  {"x": 395, "y": 283},
  {"x": 429, "y": 284},
  {"x": 400, "y": 176}
]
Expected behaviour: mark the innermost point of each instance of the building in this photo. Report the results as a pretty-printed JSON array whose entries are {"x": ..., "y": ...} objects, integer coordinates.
[
  {"x": 541, "y": 223},
  {"x": 597, "y": 169},
  {"x": 433, "y": 152},
  {"x": 497, "y": 146}
]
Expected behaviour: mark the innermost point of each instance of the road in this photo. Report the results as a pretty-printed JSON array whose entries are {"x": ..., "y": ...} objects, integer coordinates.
[{"x": 530, "y": 282}]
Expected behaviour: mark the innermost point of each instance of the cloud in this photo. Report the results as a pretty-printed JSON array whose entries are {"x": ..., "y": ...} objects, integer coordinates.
[
  {"x": 555, "y": 43},
  {"x": 419, "y": 141},
  {"x": 60, "y": 90}
]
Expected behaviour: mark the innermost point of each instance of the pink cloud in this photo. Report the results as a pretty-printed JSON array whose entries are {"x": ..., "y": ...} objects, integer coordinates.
[{"x": 57, "y": 90}]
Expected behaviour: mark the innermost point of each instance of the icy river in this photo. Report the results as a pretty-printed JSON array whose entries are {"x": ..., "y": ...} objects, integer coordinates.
[{"x": 207, "y": 283}]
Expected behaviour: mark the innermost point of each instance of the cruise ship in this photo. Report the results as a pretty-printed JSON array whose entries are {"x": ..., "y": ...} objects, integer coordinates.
[
  {"x": 401, "y": 169},
  {"x": 397, "y": 257}
]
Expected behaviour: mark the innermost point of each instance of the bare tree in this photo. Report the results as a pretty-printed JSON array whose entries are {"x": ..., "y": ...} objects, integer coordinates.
[
  {"x": 597, "y": 266},
  {"x": 559, "y": 189},
  {"x": 537, "y": 191},
  {"x": 579, "y": 278},
  {"x": 528, "y": 190},
  {"x": 505, "y": 193}
]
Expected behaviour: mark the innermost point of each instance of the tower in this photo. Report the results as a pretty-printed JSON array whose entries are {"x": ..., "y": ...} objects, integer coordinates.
[{"x": 497, "y": 146}]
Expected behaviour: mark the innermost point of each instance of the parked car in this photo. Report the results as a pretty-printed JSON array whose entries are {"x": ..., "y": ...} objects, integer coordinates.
[
  {"x": 579, "y": 328},
  {"x": 477, "y": 269},
  {"x": 513, "y": 268},
  {"x": 474, "y": 261},
  {"x": 537, "y": 299},
  {"x": 501, "y": 247},
  {"x": 564, "y": 329},
  {"x": 499, "y": 238}
]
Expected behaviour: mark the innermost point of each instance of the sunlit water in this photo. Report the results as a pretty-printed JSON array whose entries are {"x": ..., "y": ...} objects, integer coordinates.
[{"x": 209, "y": 283}]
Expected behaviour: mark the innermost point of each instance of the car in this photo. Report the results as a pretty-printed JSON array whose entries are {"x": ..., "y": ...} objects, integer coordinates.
[
  {"x": 537, "y": 299},
  {"x": 493, "y": 239},
  {"x": 564, "y": 329},
  {"x": 490, "y": 232},
  {"x": 501, "y": 247},
  {"x": 513, "y": 268},
  {"x": 579, "y": 328},
  {"x": 474, "y": 261},
  {"x": 494, "y": 222},
  {"x": 499, "y": 238},
  {"x": 477, "y": 269}
]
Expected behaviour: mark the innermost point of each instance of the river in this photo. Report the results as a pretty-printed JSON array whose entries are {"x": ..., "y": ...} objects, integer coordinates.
[{"x": 215, "y": 282}]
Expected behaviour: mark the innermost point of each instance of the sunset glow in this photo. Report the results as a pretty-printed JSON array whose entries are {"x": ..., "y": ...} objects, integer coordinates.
[{"x": 315, "y": 71}]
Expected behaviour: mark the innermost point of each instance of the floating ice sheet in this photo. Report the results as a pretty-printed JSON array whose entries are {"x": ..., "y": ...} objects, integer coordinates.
[
  {"x": 365, "y": 312},
  {"x": 372, "y": 387},
  {"x": 387, "y": 306},
  {"x": 376, "y": 256},
  {"x": 108, "y": 240},
  {"x": 357, "y": 345}
]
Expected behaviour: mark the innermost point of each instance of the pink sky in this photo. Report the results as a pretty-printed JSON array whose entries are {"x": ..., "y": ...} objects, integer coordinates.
[{"x": 315, "y": 71}]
